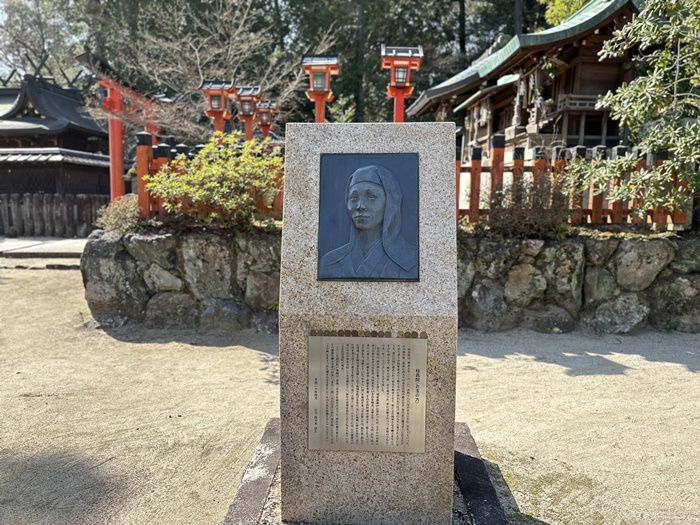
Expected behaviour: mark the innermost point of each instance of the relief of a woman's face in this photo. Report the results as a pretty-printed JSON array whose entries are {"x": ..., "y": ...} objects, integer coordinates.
[{"x": 366, "y": 203}]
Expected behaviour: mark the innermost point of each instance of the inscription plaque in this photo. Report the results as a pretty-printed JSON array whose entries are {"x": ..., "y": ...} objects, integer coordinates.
[{"x": 367, "y": 393}]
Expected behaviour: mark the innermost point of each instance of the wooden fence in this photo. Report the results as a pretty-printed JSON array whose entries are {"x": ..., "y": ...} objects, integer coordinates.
[
  {"x": 49, "y": 215},
  {"x": 478, "y": 181}
]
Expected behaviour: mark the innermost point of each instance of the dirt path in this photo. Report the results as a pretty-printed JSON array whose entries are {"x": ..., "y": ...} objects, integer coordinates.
[
  {"x": 155, "y": 427},
  {"x": 127, "y": 427},
  {"x": 586, "y": 429}
]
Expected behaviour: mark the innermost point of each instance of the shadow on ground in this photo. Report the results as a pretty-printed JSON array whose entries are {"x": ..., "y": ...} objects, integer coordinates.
[
  {"x": 52, "y": 489},
  {"x": 582, "y": 353},
  {"x": 507, "y": 500},
  {"x": 138, "y": 334}
]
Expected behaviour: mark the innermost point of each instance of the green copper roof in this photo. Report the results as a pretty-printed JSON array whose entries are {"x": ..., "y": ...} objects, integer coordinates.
[{"x": 585, "y": 19}]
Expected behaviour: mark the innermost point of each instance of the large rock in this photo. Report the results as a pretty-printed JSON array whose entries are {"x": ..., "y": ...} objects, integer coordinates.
[
  {"x": 531, "y": 247},
  {"x": 599, "y": 286},
  {"x": 159, "y": 280},
  {"x": 562, "y": 265},
  {"x": 150, "y": 249},
  {"x": 172, "y": 310},
  {"x": 486, "y": 308},
  {"x": 209, "y": 265},
  {"x": 260, "y": 255},
  {"x": 622, "y": 315},
  {"x": 266, "y": 321},
  {"x": 525, "y": 283},
  {"x": 220, "y": 314},
  {"x": 112, "y": 284},
  {"x": 638, "y": 262},
  {"x": 466, "y": 266},
  {"x": 496, "y": 257},
  {"x": 598, "y": 251},
  {"x": 262, "y": 290},
  {"x": 549, "y": 320},
  {"x": 675, "y": 303},
  {"x": 687, "y": 257}
]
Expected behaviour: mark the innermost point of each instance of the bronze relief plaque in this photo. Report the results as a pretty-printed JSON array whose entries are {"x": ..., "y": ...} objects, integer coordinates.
[
  {"x": 368, "y": 217},
  {"x": 367, "y": 393}
]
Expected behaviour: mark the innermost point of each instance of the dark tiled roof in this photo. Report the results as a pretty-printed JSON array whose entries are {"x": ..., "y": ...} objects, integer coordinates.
[
  {"x": 319, "y": 60},
  {"x": 58, "y": 110},
  {"x": 267, "y": 104},
  {"x": 50, "y": 155},
  {"x": 402, "y": 52},
  {"x": 215, "y": 84},
  {"x": 249, "y": 91}
]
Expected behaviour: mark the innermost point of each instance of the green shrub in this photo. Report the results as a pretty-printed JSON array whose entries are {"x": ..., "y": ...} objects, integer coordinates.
[
  {"x": 120, "y": 216},
  {"x": 223, "y": 184}
]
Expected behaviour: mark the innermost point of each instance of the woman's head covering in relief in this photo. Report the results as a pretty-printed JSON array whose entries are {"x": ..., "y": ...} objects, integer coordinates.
[{"x": 394, "y": 245}]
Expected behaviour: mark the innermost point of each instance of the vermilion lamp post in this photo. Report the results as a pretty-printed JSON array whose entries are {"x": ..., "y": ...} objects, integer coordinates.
[
  {"x": 218, "y": 102},
  {"x": 248, "y": 97},
  {"x": 265, "y": 114},
  {"x": 320, "y": 68},
  {"x": 401, "y": 61}
]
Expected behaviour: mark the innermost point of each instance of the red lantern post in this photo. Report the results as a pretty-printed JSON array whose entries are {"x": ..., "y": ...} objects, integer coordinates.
[
  {"x": 247, "y": 97},
  {"x": 218, "y": 103},
  {"x": 266, "y": 110},
  {"x": 401, "y": 61},
  {"x": 320, "y": 68}
]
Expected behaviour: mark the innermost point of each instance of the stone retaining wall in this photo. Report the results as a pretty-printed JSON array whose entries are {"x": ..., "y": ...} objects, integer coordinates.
[
  {"x": 196, "y": 280},
  {"x": 201, "y": 280}
]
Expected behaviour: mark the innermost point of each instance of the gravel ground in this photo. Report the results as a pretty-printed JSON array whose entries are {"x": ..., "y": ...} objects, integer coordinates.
[{"x": 133, "y": 426}]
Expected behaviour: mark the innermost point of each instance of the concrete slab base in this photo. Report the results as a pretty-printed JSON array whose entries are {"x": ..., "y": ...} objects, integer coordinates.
[{"x": 257, "y": 500}]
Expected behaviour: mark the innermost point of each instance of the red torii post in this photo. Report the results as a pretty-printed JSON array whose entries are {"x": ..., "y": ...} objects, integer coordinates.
[
  {"x": 320, "y": 68},
  {"x": 401, "y": 61},
  {"x": 123, "y": 103}
]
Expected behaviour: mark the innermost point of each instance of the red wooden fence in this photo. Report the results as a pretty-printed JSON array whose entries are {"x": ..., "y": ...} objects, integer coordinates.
[{"x": 476, "y": 184}]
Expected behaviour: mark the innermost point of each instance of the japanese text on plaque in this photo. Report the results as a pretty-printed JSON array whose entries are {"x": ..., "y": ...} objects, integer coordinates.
[{"x": 367, "y": 393}]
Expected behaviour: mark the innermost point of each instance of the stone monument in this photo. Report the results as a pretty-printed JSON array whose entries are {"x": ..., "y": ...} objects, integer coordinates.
[{"x": 368, "y": 324}]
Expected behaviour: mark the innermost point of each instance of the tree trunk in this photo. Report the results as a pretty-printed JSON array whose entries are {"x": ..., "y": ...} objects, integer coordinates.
[{"x": 360, "y": 59}]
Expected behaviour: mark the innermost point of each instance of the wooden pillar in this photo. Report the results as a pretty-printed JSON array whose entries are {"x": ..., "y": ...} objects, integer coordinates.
[
  {"x": 497, "y": 158},
  {"x": 59, "y": 220},
  {"x": 37, "y": 214},
  {"x": 596, "y": 195},
  {"x": 81, "y": 227},
  {"x": 475, "y": 184},
  {"x": 616, "y": 208},
  {"x": 518, "y": 164},
  {"x": 69, "y": 199},
  {"x": 144, "y": 157},
  {"x": 28, "y": 215},
  {"x": 5, "y": 214},
  {"x": 49, "y": 228},
  {"x": 17, "y": 228},
  {"x": 559, "y": 157},
  {"x": 577, "y": 152},
  {"x": 639, "y": 201},
  {"x": 659, "y": 213}
]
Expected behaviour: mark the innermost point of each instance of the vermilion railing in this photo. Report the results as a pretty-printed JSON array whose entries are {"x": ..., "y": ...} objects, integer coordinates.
[{"x": 478, "y": 180}]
